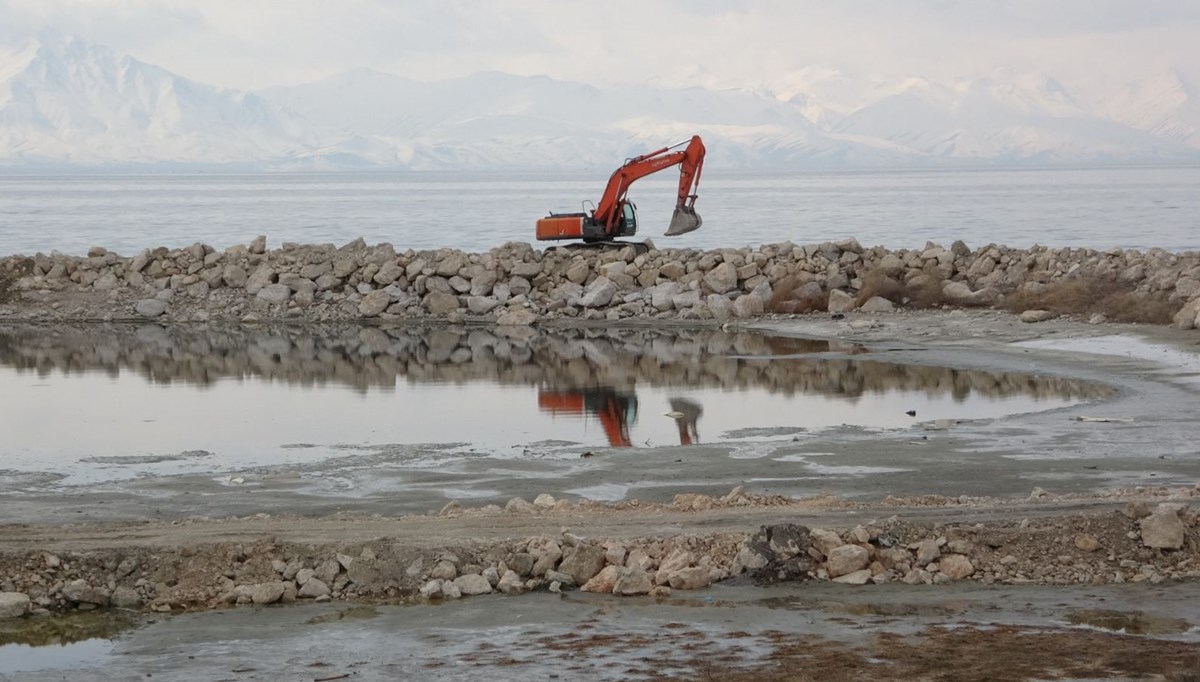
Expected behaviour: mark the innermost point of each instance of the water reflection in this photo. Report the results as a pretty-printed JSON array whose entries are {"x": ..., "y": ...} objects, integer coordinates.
[
  {"x": 189, "y": 399},
  {"x": 619, "y": 360}
]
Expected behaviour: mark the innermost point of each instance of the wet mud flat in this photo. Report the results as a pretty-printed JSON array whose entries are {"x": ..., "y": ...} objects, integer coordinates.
[
  {"x": 735, "y": 632},
  {"x": 1086, "y": 437},
  {"x": 184, "y": 421}
]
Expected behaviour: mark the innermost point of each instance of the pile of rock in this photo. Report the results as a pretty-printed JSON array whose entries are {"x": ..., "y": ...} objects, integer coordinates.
[
  {"x": 517, "y": 284},
  {"x": 1137, "y": 544}
]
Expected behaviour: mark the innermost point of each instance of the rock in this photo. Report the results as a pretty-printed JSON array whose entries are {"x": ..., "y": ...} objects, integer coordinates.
[
  {"x": 374, "y": 303},
  {"x": 440, "y": 303},
  {"x": 1163, "y": 529},
  {"x": 859, "y": 577},
  {"x": 14, "y": 605},
  {"x": 578, "y": 272},
  {"x": 150, "y": 307},
  {"x": 526, "y": 270},
  {"x": 511, "y": 583},
  {"x": 451, "y": 264},
  {"x": 259, "y": 244},
  {"x": 107, "y": 282},
  {"x": 389, "y": 272},
  {"x": 274, "y": 293},
  {"x": 840, "y": 302},
  {"x": 301, "y": 576},
  {"x": 471, "y": 585},
  {"x": 582, "y": 563},
  {"x": 927, "y": 551},
  {"x": 775, "y": 553},
  {"x": 444, "y": 570},
  {"x": 956, "y": 566},
  {"x": 343, "y": 266},
  {"x": 431, "y": 589},
  {"x": 748, "y": 305},
  {"x": 1189, "y": 316},
  {"x": 690, "y": 578},
  {"x": 125, "y": 597},
  {"x": 481, "y": 305},
  {"x": 261, "y": 277},
  {"x": 675, "y": 561},
  {"x": 631, "y": 581},
  {"x": 825, "y": 540},
  {"x": 451, "y": 591},
  {"x": 877, "y": 304},
  {"x": 721, "y": 279},
  {"x": 519, "y": 505},
  {"x": 521, "y": 563},
  {"x": 492, "y": 575},
  {"x": 546, "y": 555},
  {"x": 561, "y": 578},
  {"x": 235, "y": 277},
  {"x": 849, "y": 245},
  {"x": 328, "y": 571},
  {"x": 846, "y": 559},
  {"x": 1087, "y": 542},
  {"x": 598, "y": 294},
  {"x": 603, "y": 582},
  {"x": 267, "y": 593},
  {"x": 544, "y": 501},
  {"x": 1035, "y": 316},
  {"x": 517, "y": 318},
  {"x": 80, "y": 592},
  {"x": 313, "y": 588}
]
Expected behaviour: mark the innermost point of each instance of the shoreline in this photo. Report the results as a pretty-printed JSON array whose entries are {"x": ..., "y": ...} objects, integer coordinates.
[{"x": 519, "y": 284}]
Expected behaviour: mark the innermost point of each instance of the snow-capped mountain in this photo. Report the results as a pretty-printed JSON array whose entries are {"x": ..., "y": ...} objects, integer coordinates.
[
  {"x": 1000, "y": 119},
  {"x": 64, "y": 101},
  {"x": 1167, "y": 106}
]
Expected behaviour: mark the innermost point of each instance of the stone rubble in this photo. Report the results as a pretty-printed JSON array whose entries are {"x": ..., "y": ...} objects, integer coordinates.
[
  {"x": 1135, "y": 544},
  {"x": 519, "y": 285}
]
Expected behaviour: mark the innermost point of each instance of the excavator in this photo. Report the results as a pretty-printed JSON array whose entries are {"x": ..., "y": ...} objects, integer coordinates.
[
  {"x": 617, "y": 411},
  {"x": 616, "y": 216}
]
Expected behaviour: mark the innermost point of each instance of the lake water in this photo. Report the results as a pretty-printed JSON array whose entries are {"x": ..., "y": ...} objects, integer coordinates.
[
  {"x": 152, "y": 400},
  {"x": 1100, "y": 208}
]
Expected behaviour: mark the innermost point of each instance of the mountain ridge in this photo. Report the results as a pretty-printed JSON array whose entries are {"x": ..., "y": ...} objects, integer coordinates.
[{"x": 66, "y": 102}]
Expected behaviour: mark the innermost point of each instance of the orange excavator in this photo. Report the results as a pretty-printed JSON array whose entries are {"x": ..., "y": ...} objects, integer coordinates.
[
  {"x": 616, "y": 411},
  {"x": 616, "y": 216}
]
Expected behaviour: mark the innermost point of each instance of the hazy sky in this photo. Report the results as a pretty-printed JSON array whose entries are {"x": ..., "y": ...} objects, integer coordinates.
[{"x": 258, "y": 43}]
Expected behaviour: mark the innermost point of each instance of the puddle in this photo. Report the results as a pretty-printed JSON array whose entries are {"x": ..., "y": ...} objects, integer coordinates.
[
  {"x": 57, "y": 642},
  {"x": 150, "y": 400},
  {"x": 1129, "y": 622},
  {"x": 1179, "y": 366}
]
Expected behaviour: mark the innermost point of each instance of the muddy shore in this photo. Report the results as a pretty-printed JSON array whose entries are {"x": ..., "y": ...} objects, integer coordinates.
[{"x": 1046, "y": 499}]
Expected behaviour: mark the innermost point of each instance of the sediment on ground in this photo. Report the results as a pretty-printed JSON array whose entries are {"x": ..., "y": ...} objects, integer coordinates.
[
  {"x": 1144, "y": 536},
  {"x": 517, "y": 284}
]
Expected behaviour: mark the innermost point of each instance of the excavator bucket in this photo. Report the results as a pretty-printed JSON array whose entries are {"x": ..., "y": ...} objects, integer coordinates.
[{"x": 684, "y": 220}]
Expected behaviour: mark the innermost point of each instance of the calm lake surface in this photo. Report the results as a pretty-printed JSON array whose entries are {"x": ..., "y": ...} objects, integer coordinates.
[
  {"x": 152, "y": 400},
  {"x": 1100, "y": 208}
]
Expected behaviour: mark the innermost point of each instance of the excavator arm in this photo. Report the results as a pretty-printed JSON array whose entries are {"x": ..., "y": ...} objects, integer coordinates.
[
  {"x": 690, "y": 161},
  {"x": 612, "y": 218}
]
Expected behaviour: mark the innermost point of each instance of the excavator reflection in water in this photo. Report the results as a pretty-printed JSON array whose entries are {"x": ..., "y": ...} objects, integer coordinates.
[{"x": 617, "y": 411}]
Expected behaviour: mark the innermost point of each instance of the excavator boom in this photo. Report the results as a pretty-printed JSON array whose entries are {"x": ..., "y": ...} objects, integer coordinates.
[{"x": 614, "y": 215}]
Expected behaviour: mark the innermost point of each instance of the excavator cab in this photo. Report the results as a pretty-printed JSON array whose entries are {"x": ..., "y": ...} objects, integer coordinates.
[{"x": 628, "y": 226}]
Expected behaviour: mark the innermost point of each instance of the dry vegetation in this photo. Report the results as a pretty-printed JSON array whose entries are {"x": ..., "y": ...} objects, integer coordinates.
[
  {"x": 1118, "y": 302},
  {"x": 11, "y": 271},
  {"x": 797, "y": 296}
]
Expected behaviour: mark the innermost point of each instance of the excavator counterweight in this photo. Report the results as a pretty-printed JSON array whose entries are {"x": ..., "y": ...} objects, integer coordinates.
[{"x": 616, "y": 216}]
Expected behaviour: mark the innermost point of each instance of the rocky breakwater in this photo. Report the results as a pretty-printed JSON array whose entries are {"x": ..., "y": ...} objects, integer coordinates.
[
  {"x": 517, "y": 284},
  {"x": 1138, "y": 543}
]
